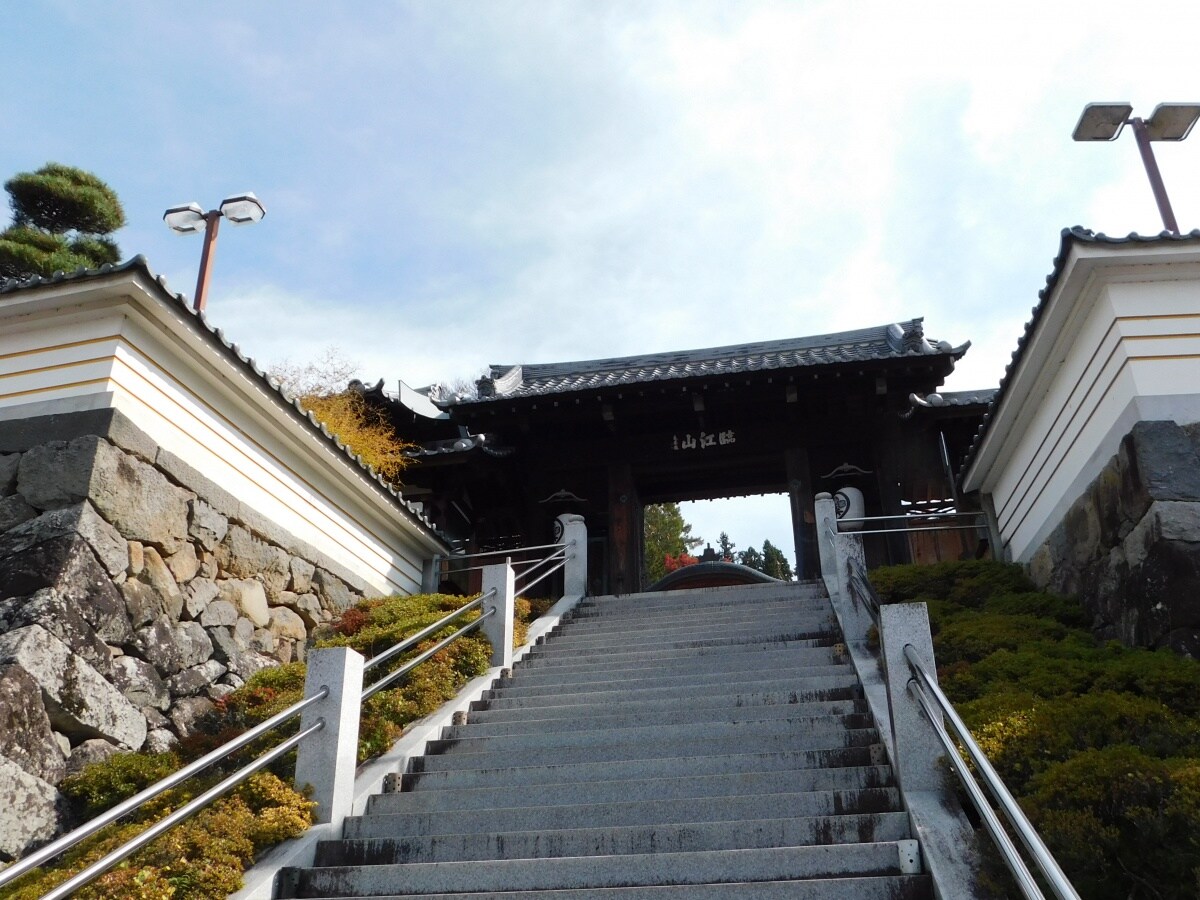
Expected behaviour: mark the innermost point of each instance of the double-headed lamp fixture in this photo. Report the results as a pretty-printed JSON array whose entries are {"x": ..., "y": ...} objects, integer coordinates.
[
  {"x": 1169, "y": 122},
  {"x": 240, "y": 209}
]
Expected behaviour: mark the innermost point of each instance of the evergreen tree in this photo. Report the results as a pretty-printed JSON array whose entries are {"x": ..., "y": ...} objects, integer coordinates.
[
  {"x": 775, "y": 563},
  {"x": 62, "y": 219},
  {"x": 752, "y": 558},
  {"x": 726, "y": 547},
  {"x": 665, "y": 534}
]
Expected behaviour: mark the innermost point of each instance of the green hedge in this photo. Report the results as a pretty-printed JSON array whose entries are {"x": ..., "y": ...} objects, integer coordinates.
[{"x": 1099, "y": 742}]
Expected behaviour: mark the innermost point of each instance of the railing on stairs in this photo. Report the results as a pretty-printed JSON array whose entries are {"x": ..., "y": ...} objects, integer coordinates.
[
  {"x": 327, "y": 741},
  {"x": 917, "y": 708}
]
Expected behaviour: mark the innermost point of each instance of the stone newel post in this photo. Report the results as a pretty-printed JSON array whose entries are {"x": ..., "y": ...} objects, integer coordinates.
[
  {"x": 327, "y": 759},
  {"x": 571, "y": 529}
]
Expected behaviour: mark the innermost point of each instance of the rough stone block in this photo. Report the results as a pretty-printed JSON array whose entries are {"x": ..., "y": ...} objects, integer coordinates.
[
  {"x": 13, "y": 511},
  {"x": 187, "y": 712},
  {"x": 243, "y": 555},
  {"x": 249, "y": 598},
  {"x": 26, "y": 737},
  {"x": 196, "y": 679},
  {"x": 8, "y": 472},
  {"x": 336, "y": 595},
  {"x": 1167, "y": 463},
  {"x": 142, "y": 603},
  {"x": 29, "y": 813},
  {"x": 184, "y": 564},
  {"x": 57, "y": 473},
  {"x": 173, "y": 646},
  {"x": 62, "y": 618},
  {"x": 79, "y": 520},
  {"x": 131, "y": 494},
  {"x": 206, "y": 525},
  {"x": 307, "y": 606},
  {"x": 199, "y": 593},
  {"x": 159, "y": 577},
  {"x": 302, "y": 574},
  {"x": 89, "y": 752},
  {"x": 160, "y": 740},
  {"x": 140, "y": 684},
  {"x": 79, "y": 701},
  {"x": 286, "y": 623}
]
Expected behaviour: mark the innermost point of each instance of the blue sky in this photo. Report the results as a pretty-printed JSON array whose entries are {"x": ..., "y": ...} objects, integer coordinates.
[{"x": 452, "y": 184}]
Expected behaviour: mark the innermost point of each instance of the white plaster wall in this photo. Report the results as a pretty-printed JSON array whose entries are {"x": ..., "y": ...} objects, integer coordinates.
[
  {"x": 1119, "y": 345},
  {"x": 126, "y": 346}
]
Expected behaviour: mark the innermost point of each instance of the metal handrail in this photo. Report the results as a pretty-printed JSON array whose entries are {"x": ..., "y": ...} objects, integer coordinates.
[
  {"x": 931, "y": 515},
  {"x": 184, "y": 812},
  {"x": 87, "y": 829},
  {"x": 910, "y": 530},
  {"x": 417, "y": 660},
  {"x": 530, "y": 569},
  {"x": 424, "y": 633},
  {"x": 456, "y": 556},
  {"x": 927, "y": 688},
  {"x": 546, "y": 574},
  {"x": 861, "y": 585}
]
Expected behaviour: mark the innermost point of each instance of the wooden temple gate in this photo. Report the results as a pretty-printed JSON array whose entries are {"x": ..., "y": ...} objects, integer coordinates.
[{"x": 604, "y": 438}]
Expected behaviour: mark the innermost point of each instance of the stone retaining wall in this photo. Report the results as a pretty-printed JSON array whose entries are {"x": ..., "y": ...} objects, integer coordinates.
[
  {"x": 1130, "y": 545},
  {"x": 134, "y": 595}
]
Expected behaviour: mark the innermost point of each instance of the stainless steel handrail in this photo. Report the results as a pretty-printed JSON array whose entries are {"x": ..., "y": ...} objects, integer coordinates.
[
  {"x": 417, "y": 660},
  {"x": 184, "y": 812},
  {"x": 1046, "y": 863},
  {"x": 910, "y": 530},
  {"x": 930, "y": 515},
  {"x": 538, "y": 563},
  {"x": 546, "y": 574},
  {"x": 861, "y": 585},
  {"x": 424, "y": 633},
  {"x": 456, "y": 556},
  {"x": 87, "y": 829}
]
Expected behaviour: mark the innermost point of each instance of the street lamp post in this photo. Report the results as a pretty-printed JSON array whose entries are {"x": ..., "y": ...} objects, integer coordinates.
[
  {"x": 240, "y": 209},
  {"x": 1169, "y": 122}
]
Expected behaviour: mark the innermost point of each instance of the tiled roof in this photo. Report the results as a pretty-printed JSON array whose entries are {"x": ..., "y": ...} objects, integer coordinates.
[
  {"x": 216, "y": 336},
  {"x": 968, "y": 398},
  {"x": 1069, "y": 237},
  {"x": 894, "y": 341}
]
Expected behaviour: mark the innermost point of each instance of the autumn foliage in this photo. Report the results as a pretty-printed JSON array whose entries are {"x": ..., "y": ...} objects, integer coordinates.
[
  {"x": 320, "y": 386},
  {"x": 671, "y": 563}
]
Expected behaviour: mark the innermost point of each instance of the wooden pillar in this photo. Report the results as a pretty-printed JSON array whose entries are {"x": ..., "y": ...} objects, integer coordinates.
[
  {"x": 800, "y": 496},
  {"x": 624, "y": 531},
  {"x": 889, "y": 465}
]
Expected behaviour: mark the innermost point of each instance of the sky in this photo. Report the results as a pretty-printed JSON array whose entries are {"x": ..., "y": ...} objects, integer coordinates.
[{"x": 454, "y": 184}]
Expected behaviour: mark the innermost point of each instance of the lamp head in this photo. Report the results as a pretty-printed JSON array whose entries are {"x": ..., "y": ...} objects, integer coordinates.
[
  {"x": 1172, "y": 121},
  {"x": 185, "y": 219},
  {"x": 243, "y": 209}
]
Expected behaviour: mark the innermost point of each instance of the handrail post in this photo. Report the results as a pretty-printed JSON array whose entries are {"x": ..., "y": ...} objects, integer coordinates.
[
  {"x": 825, "y": 513},
  {"x": 499, "y": 626},
  {"x": 326, "y": 760},
  {"x": 570, "y": 529},
  {"x": 918, "y": 750},
  {"x": 430, "y": 570}
]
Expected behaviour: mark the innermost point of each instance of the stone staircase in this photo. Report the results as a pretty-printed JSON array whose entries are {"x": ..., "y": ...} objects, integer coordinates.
[{"x": 700, "y": 744}]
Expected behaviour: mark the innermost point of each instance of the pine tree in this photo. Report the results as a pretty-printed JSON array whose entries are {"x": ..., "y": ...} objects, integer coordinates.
[
  {"x": 775, "y": 563},
  {"x": 726, "y": 547},
  {"x": 62, "y": 219},
  {"x": 665, "y": 533}
]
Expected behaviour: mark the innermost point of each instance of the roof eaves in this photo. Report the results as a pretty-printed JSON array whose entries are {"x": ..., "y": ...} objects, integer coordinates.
[{"x": 1069, "y": 238}]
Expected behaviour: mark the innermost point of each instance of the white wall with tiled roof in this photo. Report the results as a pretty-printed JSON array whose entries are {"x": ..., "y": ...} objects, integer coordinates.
[
  {"x": 119, "y": 340},
  {"x": 1117, "y": 341}
]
